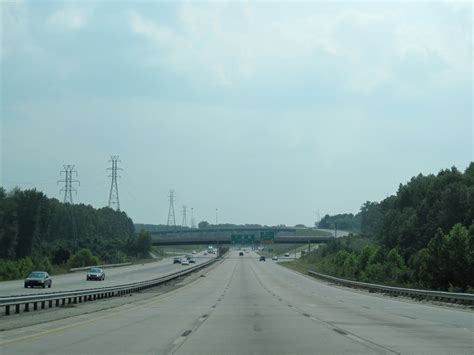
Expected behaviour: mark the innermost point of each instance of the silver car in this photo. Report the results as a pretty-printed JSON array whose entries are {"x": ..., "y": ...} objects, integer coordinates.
[{"x": 95, "y": 273}]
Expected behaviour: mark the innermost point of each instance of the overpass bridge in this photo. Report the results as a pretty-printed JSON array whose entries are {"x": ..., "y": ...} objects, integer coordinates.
[{"x": 223, "y": 235}]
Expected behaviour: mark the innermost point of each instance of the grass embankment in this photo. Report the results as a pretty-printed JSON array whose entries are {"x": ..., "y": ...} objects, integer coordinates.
[
  {"x": 174, "y": 250},
  {"x": 279, "y": 249},
  {"x": 298, "y": 265},
  {"x": 312, "y": 233}
]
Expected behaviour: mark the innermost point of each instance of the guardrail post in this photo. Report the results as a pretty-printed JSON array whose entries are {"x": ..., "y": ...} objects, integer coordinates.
[
  {"x": 50, "y": 303},
  {"x": 57, "y": 303},
  {"x": 7, "y": 310},
  {"x": 27, "y": 307},
  {"x": 63, "y": 302},
  {"x": 35, "y": 306},
  {"x": 17, "y": 308}
]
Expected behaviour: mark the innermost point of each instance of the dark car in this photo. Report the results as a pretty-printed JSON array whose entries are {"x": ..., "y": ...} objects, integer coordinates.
[
  {"x": 38, "y": 278},
  {"x": 241, "y": 253},
  {"x": 95, "y": 273},
  {"x": 177, "y": 260},
  {"x": 192, "y": 261},
  {"x": 262, "y": 258}
]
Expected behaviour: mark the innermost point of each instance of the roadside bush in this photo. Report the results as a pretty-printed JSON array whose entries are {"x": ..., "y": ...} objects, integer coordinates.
[{"x": 83, "y": 258}]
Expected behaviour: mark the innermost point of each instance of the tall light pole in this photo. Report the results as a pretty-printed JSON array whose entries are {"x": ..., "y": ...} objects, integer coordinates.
[{"x": 216, "y": 216}]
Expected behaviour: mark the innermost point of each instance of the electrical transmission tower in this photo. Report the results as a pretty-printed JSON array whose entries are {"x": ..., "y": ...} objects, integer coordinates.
[
  {"x": 193, "y": 224},
  {"x": 68, "y": 181},
  {"x": 171, "y": 219},
  {"x": 114, "y": 201},
  {"x": 184, "y": 223}
]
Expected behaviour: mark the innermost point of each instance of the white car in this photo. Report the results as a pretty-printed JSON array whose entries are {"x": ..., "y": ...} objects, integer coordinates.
[
  {"x": 184, "y": 261},
  {"x": 287, "y": 254},
  {"x": 275, "y": 258},
  {"x": 194, "y": 251}
]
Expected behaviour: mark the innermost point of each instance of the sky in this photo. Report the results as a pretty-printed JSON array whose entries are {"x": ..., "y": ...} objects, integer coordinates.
[{"x": 266, "y": 111}]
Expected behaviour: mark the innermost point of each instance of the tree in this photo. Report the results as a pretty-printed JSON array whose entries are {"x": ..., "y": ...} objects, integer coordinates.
[
  {"x": 60, "y": 255},
  {"x": 83, "y": 258},
  {"x": 203, "y": 224},
  {"x": 370, "y": 218},
  {"x": 142, "y": 245}
]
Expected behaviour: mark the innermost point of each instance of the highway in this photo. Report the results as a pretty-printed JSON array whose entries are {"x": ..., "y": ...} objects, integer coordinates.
[
  {"x": 243, "y": 306},
  {"x": 114, "y": 276}
]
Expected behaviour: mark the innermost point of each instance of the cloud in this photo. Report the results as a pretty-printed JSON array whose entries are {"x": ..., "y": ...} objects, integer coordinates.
[
  {"x": 71, "y": 17},
  {"x": 232, "y": 44}
]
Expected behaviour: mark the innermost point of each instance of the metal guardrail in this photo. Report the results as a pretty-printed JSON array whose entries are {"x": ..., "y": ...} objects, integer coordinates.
[
  {"x": 465, "y": 298},
  {"x": 79, "y": 296},
  {"x": 101, "y": 266}
]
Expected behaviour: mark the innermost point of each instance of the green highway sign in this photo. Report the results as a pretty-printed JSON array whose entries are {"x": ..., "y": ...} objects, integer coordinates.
[{"x": 267, "y": 236}]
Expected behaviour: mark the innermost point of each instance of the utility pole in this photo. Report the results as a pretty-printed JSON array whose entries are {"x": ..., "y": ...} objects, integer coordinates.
[
  {"x": 171, "y": 218},
  {"x": 184, "y": 223},
  {"x": 68, "y": 188},
  {"x": 216, "y": 216},
  {"x": 114, "y": 195}
]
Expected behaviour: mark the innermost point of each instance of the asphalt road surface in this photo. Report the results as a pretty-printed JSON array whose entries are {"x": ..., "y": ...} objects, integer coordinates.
[
  {"x": 243, "y": 306},
  {"x": 113, "y": 277}
]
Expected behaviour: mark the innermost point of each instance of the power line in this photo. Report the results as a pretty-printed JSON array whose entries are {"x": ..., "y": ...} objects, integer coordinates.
[
  {"x": 184, "y": 223},
  {"x": 114, "y": 195},
  {"x": 68, "y": 188},
  {"x": 171, "y": 218}
]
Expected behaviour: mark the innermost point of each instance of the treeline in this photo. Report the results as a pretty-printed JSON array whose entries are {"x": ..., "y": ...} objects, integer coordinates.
[
  {"x": 423, "y": 236},
  {"x": 43, "y": 231},
  {"x": 344, "y": 221}
]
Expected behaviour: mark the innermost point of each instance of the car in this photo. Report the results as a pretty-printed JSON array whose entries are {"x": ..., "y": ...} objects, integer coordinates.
[
  {"x": 192, "y": 261},
  {"x": 262, "y": 258},
  {"x": 189, "y": 256},
  {"x": 177, "y": 260},
  {"x": 184, "y": 261},
  {"x": 275, "y": 258},
  {"x": 241, "y": 253},
  {"x": 38, "y": 278},
  {"x": 287, "y": 254},
  {"x": 205, "y": 253},
  {"x": 95, "y": 273},
  {"x": 194, "y": 252}
]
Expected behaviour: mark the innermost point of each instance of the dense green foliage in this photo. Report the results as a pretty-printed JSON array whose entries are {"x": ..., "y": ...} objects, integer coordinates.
[
  {"x": 38, "y": 231},
  {"x": 421, "y": 237},
  {"x": 83, "y": 258},
  {"x": 346, "y": 221}
]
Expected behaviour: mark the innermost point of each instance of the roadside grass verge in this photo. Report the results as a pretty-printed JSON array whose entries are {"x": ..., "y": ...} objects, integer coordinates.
[{"x": 312, "y": 233}]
